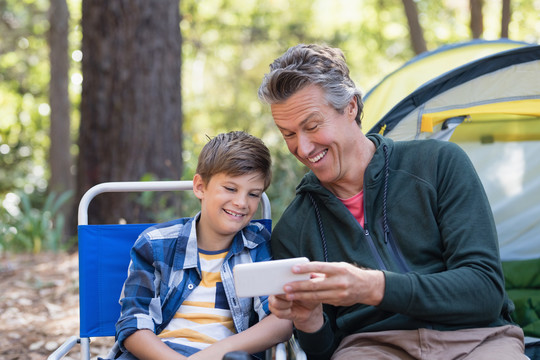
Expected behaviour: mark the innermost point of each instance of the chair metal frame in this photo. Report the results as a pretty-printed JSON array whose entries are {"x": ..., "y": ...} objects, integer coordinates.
[{"x": 136, "y": 186}]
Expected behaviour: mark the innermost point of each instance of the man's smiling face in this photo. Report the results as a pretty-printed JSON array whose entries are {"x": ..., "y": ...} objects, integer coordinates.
[{"x": 316, "y": 133}]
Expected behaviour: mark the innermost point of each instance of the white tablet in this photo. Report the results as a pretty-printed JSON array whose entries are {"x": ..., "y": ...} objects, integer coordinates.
[{"x": 266, "y": 277}]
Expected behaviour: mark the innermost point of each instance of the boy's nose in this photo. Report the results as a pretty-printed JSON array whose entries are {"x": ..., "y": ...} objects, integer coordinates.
[{"x": 240, "y": 200}]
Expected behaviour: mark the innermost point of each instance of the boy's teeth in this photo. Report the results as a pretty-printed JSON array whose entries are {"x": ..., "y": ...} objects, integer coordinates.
[{"x": 232, "y": 213}]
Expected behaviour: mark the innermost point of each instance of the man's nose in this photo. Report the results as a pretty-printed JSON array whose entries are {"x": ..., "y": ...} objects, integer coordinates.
[{"x": 305, "y": 146}]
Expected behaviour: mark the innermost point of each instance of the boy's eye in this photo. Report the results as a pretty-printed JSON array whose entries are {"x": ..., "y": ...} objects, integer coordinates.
[
  {"x": 255, "y": 195},
  {"x": 229, "y": 188}
]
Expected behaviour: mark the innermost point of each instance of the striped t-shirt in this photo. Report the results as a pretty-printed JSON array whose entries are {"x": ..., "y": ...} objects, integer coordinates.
[{"x": 204, "y": 317}]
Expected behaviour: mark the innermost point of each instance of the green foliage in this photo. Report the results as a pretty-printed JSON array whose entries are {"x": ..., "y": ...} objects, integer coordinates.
[
  {"x": 227, "y": 47},
  {"x": 32, "y": 222},
  {"x": 23, "y": 94},
  {"x": 166, "y": 206}
]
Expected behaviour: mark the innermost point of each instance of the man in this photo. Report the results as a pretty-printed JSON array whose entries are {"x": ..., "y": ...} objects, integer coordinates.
[{"x": 405, "y": 261}]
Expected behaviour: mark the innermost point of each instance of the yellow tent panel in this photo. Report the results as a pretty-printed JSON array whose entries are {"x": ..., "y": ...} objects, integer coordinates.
[
  {"x": 425, "y": 67},
  {"x": 503, "y": 121}
]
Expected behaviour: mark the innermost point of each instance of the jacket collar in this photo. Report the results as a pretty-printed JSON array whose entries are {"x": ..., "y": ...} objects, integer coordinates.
[{"x": 373, "y": 175}]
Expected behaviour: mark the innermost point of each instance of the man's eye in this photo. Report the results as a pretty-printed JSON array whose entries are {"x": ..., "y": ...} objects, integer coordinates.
[
  {"x": 312, "y": 127},
  {"x": 287, "y": 135}
]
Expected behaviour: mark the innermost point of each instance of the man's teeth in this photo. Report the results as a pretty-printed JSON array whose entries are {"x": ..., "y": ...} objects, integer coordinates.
[
  {"x": 233, "y": 213},
  {"x": 318, "y": 157}
]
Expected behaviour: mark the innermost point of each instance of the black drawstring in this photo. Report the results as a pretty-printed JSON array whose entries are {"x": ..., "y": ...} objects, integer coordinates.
[
  {"x": 385, "y": 193},
  {"x": 386, "y": 228},
  {"x": 321, "y": 230}
]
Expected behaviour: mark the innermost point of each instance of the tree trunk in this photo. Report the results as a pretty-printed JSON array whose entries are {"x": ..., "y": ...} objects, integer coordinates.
[
  {"x": 505, "y": 18},
  {"x": 417, "y": 35},
  {"x": 60, "y": 161},
  {"x": 477, "y": 23},
  {"x": 131, "y": 111}
]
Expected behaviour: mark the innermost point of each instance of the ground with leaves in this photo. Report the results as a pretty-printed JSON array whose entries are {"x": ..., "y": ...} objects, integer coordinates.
[{"x": 39, "y": 306}]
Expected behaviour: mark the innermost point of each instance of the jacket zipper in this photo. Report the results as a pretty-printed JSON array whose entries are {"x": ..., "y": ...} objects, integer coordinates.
[
  {"x": 374, "y": 249},
  {"x": 398, "y": 256},
  {"x": 369, "y": 239},
  {"x": 390, "y": 243}
]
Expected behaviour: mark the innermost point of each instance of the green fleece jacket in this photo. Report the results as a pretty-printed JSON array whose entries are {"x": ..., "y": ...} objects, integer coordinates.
[{"x": 431, "y": 232}]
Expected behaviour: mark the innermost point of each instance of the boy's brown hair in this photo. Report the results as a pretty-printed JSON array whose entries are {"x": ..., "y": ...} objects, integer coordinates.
[{"x": 235, "y": 153}]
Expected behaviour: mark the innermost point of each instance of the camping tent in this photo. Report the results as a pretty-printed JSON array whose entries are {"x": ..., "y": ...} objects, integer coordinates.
[
  {"x": 423, "y": 68},
  {"x": 490, "y": 106}
]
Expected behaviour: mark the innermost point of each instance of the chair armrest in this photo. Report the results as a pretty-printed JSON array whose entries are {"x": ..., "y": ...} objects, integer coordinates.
[{"x": 64, "y": 348}]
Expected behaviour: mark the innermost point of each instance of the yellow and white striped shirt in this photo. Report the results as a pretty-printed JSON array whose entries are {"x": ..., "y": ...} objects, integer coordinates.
[{"x": 204, "y": 317}]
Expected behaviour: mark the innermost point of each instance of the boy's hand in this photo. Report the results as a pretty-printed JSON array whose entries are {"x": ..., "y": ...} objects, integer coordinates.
[{"x": 306, "y": 316}]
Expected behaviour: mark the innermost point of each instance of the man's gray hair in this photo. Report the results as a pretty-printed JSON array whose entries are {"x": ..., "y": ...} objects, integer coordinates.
[{"x": 303, "y": 65}]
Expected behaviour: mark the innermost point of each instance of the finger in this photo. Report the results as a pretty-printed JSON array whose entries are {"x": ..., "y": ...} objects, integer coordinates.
[
  {"x": 311, "y": 296},
  {"x": 319, "y": 267},
  {"x": 329, "y": 296},
  {"x": 279, "y": 303},
  {"x": 287, "y": 314},
  {"x": 277, "y": 297},
  {"x": 316, "y": 283},
  {"x": 276, "y": 307}
]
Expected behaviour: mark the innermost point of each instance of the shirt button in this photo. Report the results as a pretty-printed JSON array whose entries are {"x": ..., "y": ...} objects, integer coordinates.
[{"x": 190, "y": 286}]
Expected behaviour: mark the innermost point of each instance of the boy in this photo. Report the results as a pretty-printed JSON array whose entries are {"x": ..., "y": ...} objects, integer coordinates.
[{"x": 179, "y": 299}]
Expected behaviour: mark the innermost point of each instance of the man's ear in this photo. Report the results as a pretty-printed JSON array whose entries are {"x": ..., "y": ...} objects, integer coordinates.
[
  {"x": 198, "y": 186},
  {"x": 352, "y": 108}
]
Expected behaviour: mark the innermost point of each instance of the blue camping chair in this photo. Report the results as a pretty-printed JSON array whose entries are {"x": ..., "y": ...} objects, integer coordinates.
[{"x": 103, "y": 263}]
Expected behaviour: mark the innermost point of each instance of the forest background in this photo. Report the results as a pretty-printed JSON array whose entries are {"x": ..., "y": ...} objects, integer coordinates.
[
  {"x": 95, "y": 91},
  {"x": 124, "y": 90}
]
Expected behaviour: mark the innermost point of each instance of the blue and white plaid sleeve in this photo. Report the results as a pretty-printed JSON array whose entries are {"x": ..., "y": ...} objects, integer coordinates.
[
  {"x": 140, "y": 302},
  {"x": 261, "y": 253}
]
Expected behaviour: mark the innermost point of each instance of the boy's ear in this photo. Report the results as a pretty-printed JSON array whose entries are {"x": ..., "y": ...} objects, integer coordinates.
[{"x": 198, "y": 186}]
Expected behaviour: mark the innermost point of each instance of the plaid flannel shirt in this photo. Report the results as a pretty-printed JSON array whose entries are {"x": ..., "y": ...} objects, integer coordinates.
[{"x": 164, "y": 270}]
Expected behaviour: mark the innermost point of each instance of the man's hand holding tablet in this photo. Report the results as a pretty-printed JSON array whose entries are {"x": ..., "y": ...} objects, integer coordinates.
[{"x": 266, "y": 277}]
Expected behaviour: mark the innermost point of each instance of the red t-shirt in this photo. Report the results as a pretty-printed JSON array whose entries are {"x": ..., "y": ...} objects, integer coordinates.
[{"x": 355, "y": 205}]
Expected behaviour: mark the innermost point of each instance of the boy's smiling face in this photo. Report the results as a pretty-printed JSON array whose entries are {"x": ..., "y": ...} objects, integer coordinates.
[{"x": 227, "y": 205}]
